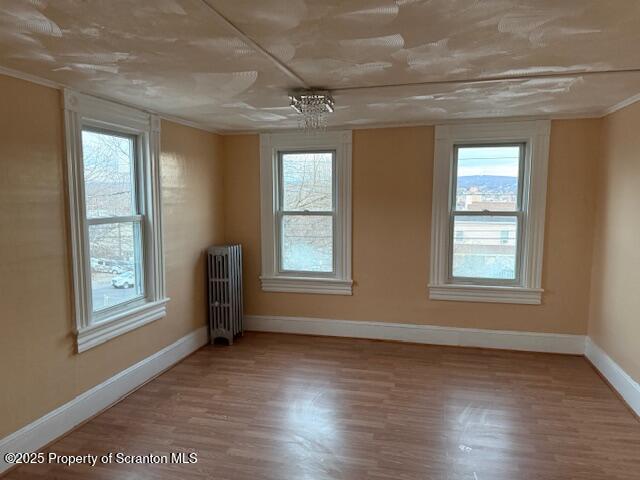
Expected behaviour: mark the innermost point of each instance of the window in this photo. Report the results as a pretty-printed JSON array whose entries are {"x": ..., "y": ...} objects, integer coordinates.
[
  {"x": 114, "y": 202},
  {"x": 486, "y": 201},
  {"x": 114, "y": 218},
  {"x": 488, "y": 212},
  {"x": 306, "y": 212}
]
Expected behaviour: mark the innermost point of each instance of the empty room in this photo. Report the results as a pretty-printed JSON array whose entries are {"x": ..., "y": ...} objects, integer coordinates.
[{"x": 320, "y": 240}]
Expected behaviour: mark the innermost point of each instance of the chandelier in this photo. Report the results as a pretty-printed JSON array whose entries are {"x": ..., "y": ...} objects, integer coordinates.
[{"x": 313, "y": 107}]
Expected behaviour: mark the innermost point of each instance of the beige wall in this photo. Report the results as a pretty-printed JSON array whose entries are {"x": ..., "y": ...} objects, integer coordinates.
[
  {"x": 392, "y": 186},
  {"x": 614, "y": 322},
  {"x": 38, "y": 366}
]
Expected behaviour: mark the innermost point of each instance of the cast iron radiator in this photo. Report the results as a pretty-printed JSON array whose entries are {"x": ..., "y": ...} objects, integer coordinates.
[{"x": 225, "y": 291}]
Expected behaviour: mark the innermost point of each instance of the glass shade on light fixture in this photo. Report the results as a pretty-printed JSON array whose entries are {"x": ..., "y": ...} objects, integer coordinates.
[{"x": 313, "y": 107}]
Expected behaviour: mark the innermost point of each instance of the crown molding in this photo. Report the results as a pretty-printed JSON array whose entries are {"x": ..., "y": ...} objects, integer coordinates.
[
  {"x": 619, "y": 106},
  {"x": 189, "y": 123},
  {"x": 9, "y": 72}
]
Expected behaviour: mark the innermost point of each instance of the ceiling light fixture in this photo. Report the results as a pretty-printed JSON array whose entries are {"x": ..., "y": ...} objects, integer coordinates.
[{"x": 313, "y": 107}]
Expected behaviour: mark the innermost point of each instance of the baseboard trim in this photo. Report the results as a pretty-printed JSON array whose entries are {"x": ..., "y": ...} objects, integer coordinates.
[
  {"x": 427, "y": 334},
  {"x": 620, "y": 380},
  {"x": 56, "y": 423}
]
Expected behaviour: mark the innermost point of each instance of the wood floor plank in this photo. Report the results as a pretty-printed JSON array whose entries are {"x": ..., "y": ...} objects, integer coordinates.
[{"x": 281, "y": 407}]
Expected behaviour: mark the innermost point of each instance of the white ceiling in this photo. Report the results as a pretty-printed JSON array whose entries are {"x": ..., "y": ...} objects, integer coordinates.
[{"x": 180, "y": 58}]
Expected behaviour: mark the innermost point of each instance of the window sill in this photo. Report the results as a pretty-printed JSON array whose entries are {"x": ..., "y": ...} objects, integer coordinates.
[
  {"x": 327, "y": 286},
  {"x": 482, "y": 293},
  {"x": 119, "y": 324}
]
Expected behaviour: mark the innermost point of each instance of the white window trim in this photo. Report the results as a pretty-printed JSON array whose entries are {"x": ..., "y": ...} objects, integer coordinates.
[
  {"x": 340, "y": 283},
  {"x": 83, "y": 110},
  {"x": 536, "y": 135}
]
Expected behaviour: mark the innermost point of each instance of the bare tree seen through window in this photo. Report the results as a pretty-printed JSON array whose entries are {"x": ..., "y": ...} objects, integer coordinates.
[{"x": 307, "y": 211}]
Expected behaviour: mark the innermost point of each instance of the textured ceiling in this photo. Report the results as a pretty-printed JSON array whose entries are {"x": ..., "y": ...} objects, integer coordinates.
[{"x": 179, "y": 58}]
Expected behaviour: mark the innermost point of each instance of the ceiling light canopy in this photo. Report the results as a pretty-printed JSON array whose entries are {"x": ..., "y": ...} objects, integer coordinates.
[{"x": 313, "y": 107}]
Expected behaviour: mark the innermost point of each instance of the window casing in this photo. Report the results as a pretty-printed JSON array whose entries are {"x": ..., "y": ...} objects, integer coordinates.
[
  {"x": 114, "y": 200},
  {"x": 490, "y": 251},
  {"x": 298, "y": 253}
]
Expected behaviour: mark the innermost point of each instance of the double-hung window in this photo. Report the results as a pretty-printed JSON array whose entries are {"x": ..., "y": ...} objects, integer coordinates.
[
  {"x": 114, "y": 192},
  {"x": 306, "y": 212},
  {"x": 111, "y": 166},
  {"x": 488, "y": 212}
]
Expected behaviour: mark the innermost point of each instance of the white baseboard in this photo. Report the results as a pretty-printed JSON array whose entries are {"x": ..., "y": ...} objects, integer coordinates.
[
  {"x": 626, "y": 386},
  {"x": 64, "y": 418},
  {"x": 467, "y": 337}
]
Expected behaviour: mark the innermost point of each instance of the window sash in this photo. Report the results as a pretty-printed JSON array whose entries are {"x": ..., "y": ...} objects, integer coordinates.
[
  {"x": 279, "y": 185},
  {"x": 521, "y": 173},
  {"x": 280, "y": 214},
  {"x": 279, "y": 236},
  {"x": 307, "y": 213},
  {"x": 484, "y": 280},
  {"x": 138, "y": 203},
  {"x": 140, "y": 267},
  {"x": 106, "y": 220},
  {"x": 137, "y": 171},
  {"x": 519, "y": 213}
]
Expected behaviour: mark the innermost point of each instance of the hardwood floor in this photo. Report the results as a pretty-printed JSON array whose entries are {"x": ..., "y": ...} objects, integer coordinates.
[{"x": 294, "y": 407}]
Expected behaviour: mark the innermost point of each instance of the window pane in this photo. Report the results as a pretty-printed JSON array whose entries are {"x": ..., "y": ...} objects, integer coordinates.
[
  {"x": 108, "y": 174},
  {"x": 116, "y": 273},
  {"x": 307, "y": 182},
  {"x": 307, "y": 243},
  {"x": 484, "y": 247},
  {"x": 487, "y": 178}
]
